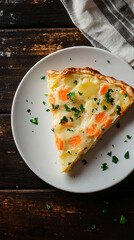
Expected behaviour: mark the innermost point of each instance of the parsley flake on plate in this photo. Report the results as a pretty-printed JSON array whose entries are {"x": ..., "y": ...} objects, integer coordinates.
[
  {"x": 48, "y": 110},
  {"x": 93, "y": 227},
  {"x": 52, "y": 129},
  {"x": 44, "y": 102},
  {"x": 125, "y": 95},
  {"x": 46, "y": 94},
  {"x": 128, "y": 136},
  {"x": 35, "y": 121},
  {"x": 43, "y": 78},
  {"x": 48, "y": 206},
  {"x": 126, "y": 155},
  {"x": 29, "y": 110},
  {"x": 104, "y": 166},
  {"x": 104, "y": 210},
  {"x": 108, "y": 61},
  {"x": 84, "y": 161},
  {"x": 118, "y": 125},
  {"x": 109, "y": 154},
  {"x": 115, "y": 159},
  {"x": 123, "y": 220}
]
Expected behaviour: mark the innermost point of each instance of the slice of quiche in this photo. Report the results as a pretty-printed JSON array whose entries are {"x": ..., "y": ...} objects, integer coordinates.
[{"x": 84, "y": 105}]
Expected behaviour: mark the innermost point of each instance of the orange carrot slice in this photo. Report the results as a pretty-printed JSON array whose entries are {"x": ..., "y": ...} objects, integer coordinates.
[
  {"x": 51, "y": 99},
  {"x": 92, "y": 131},
  {"x": 75, "y": 141},
  {"x": 59, "y": 143},
  {"x": 101, "y": 117},
  {"x": 63, "y": 93},
  {"x": 103, "y": 89},
  {"x": 122, "y": 91},
  {"x": 108, "y": 122}
]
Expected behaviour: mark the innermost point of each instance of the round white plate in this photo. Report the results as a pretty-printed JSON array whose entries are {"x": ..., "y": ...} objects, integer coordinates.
[{"x": 36, "y": 142}]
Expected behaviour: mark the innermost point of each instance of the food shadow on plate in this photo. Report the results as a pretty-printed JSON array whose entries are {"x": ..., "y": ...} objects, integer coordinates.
[{"x": 108, "y": 137}]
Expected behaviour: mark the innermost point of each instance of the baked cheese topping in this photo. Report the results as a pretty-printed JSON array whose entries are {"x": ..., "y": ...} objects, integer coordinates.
[{"x": 83, "y": 106}]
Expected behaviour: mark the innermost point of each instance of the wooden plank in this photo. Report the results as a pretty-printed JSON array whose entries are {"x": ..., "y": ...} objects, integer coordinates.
[
  {"x": 14, "y": 174},
  {"x": 24, "y": 215},
  {"x": 33, "y": 13},
  {"x": 20, "y": 49}
]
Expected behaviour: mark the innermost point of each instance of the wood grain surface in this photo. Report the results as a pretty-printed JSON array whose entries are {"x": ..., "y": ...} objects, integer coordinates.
[
  {"x": 20, "y": 49},
  {"x": 30, "y": 30}
]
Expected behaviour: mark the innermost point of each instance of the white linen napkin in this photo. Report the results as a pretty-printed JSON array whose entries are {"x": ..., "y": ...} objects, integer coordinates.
[{"x": 107, "y": 24}]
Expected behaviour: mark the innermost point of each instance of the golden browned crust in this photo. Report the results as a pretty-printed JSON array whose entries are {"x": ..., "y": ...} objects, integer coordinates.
[{"x": 87, "y": 70}]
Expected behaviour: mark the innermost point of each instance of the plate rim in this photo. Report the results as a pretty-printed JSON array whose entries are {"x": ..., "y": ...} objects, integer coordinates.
[{"x": 12, "y": 117}]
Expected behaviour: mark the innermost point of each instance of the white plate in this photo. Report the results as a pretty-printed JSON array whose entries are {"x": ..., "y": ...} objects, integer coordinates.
[{"x": 37, "y": 148}]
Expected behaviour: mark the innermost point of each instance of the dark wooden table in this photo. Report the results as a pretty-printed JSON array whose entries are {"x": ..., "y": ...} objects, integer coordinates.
[{"x": 29, "y": 31}]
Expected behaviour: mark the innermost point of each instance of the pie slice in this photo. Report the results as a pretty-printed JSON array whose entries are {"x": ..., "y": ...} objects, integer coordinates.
[{"x": 84, "y": 105}]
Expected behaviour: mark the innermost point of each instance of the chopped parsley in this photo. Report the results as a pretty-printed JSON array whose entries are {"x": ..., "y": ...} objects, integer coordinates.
[
  {"x": 52, "y": 129},
  {"x": 70, "y": 130},
  {"x": 67, "y": 108},
  {"x": 104, "y": 210},
  {"x": 115, "y": 220},
  {"x": 119, "y": 109},
  {"x": 118, "y": 125},
  {"x": 92, "y": 110},
  {"x": 55, "y": 107},
  {"x": 106, "y": 202},
  {"x": 44, "y": 102},
  {"x": 108, "y": 61},
  {"x": 70, "y": 154},
  {"x": 109, "y": 154},
  {"x": 112, "y": 145},
  {"x": 43, "y": 78},
  {"x": 71, "y": 119},
  {"x": 96, "y": 109},
  {"x": 71, "y": 95},
  {"x": 46, "y": 94},
  {"x": 93, "y": 227},
  {"x": 104, "y": 107},
  {"x": 75, "y": 82},
  {"x": 108, "y": 96},
  {"x": 80, "y": 93},
  {"x": 78, "y": 117},
  {"x": 69, "y": 162},
  {"x": 104, "y": 166},
  {"x": 26, "y": 100},
  {"x": 123, "y": 220},
  {"x": 29, "y": 110},
  {"x": 48, "y": 206},
  {"x": 115, "y": 159},
  {"x": 35, "y": 121},
  {"x": 128, "y": 136},
  {"x": 70, "y": 59},
  {"x": 125, "y": 94},
  {"x": 126, "y": 155},
  {"x": 48, "y": 110},
  {"x": 125, "y": 141},
  {"x": 98, "y": 102},
  {"x": 84, "y": 162},
  {"x": 63, "y": 120},
  {"x": 76, "y": 111},
  {"x": 82, "y": 108},
  {"x": 95, "y": 99}
]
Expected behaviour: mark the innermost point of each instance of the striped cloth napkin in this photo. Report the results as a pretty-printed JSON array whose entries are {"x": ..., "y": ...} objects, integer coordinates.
[{"x": 107, "y": 24}]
